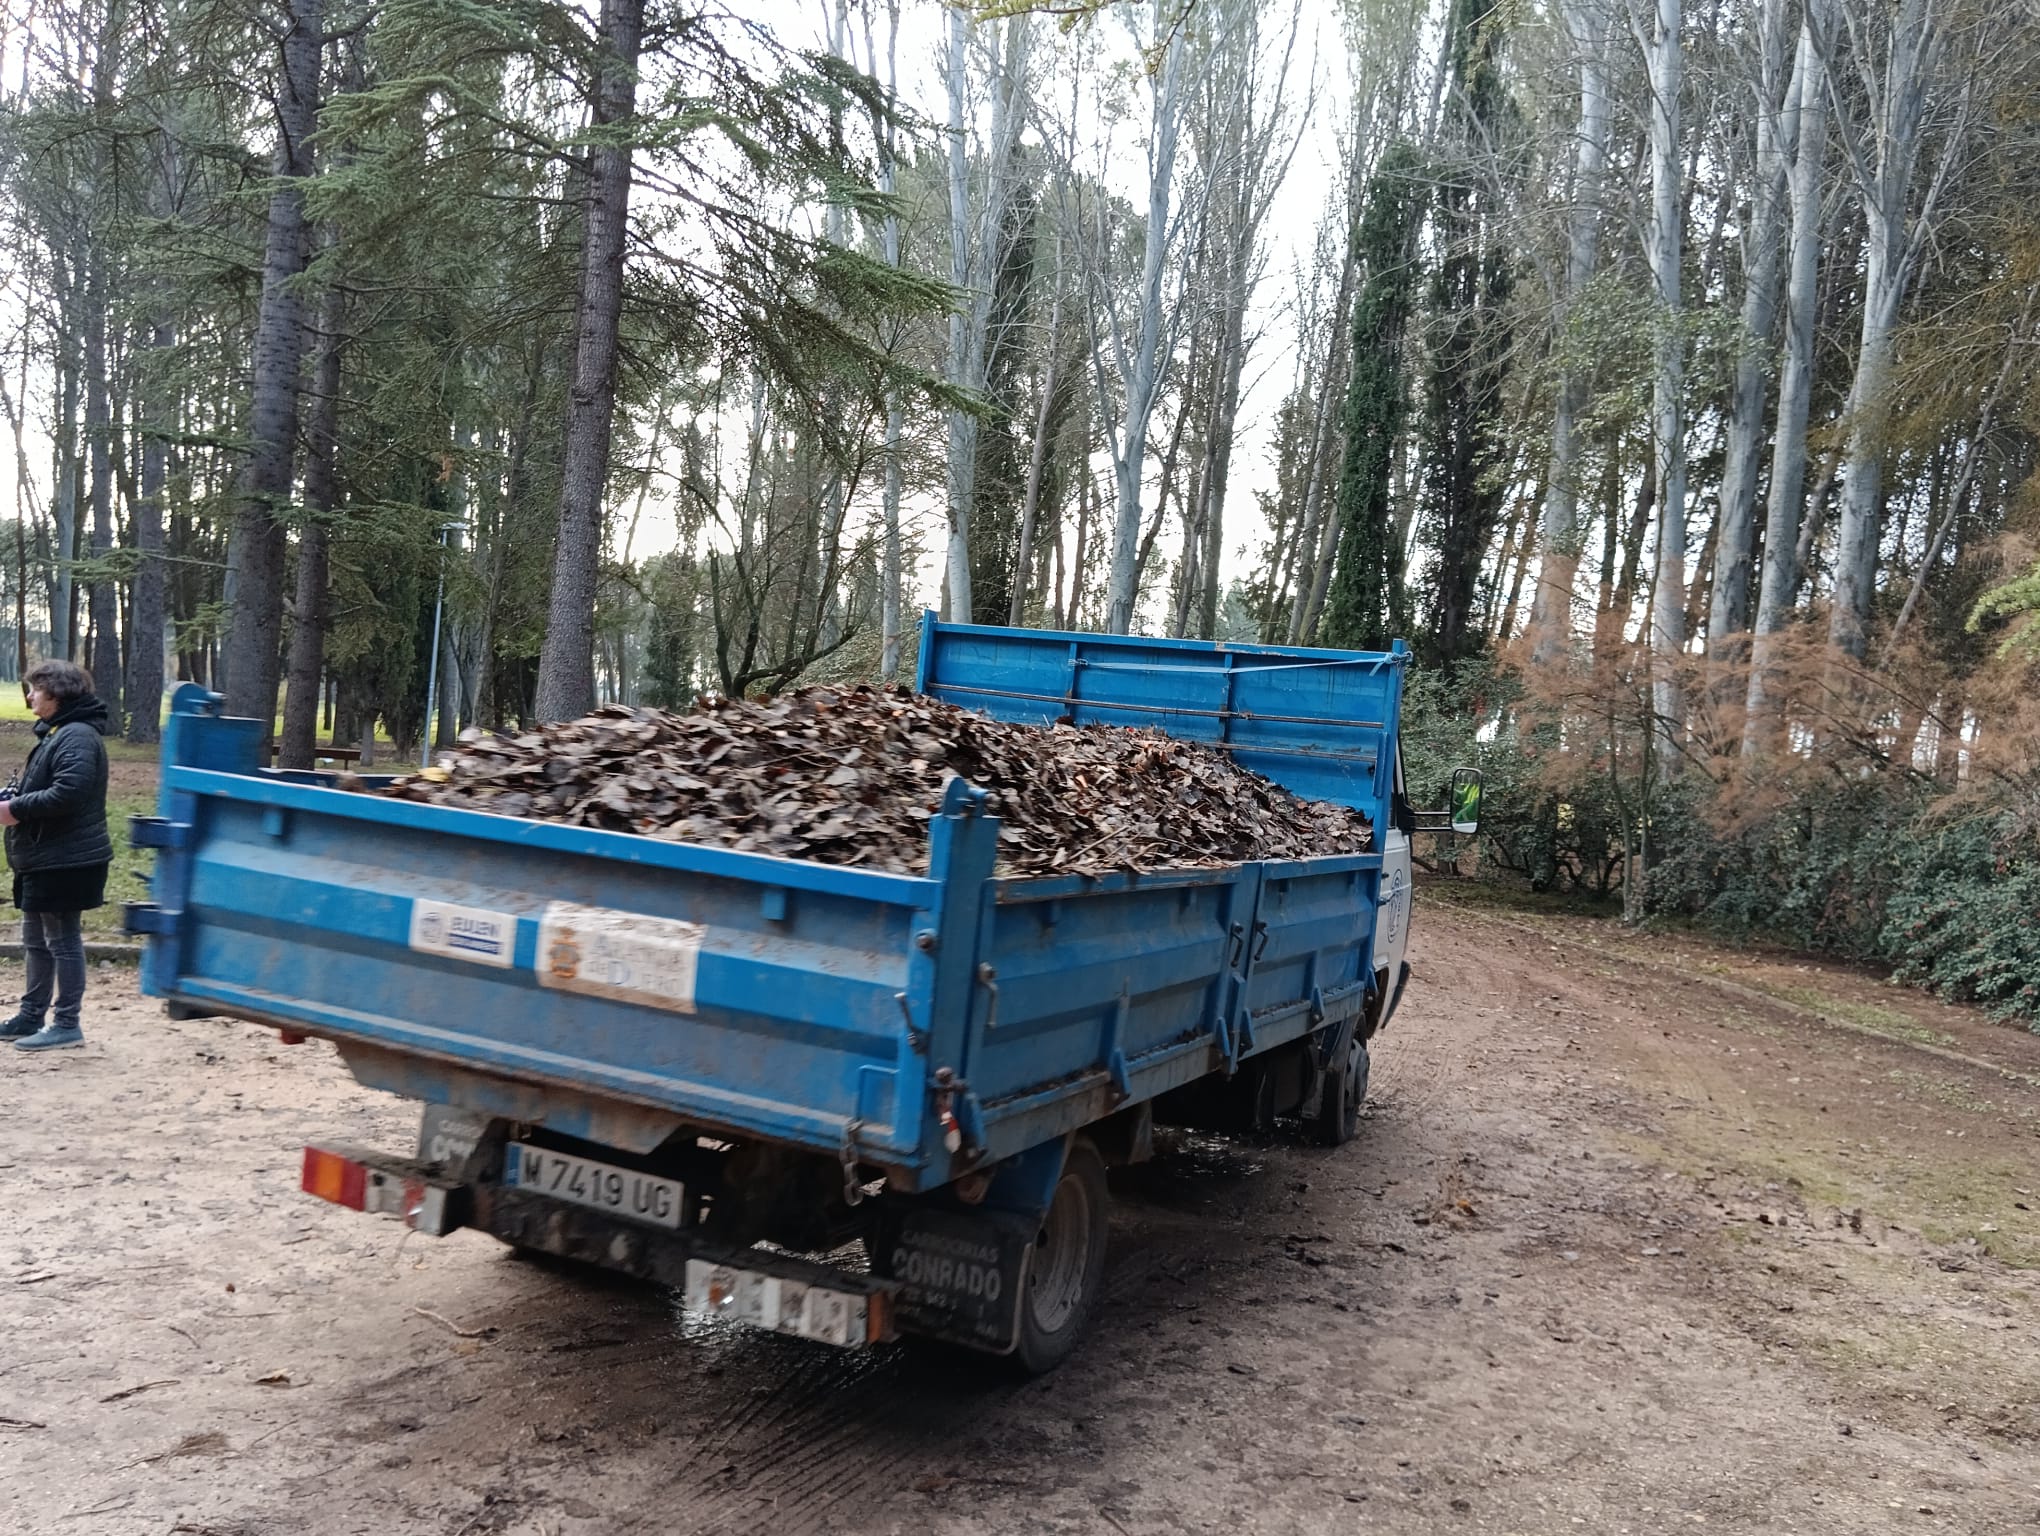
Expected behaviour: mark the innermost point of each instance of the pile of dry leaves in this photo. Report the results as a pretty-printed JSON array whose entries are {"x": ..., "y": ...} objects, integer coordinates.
[{"x": 851, "y": 776}]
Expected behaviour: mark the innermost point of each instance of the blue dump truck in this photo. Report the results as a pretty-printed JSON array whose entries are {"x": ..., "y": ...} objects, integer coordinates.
[{"x": 730, "y": 1073}]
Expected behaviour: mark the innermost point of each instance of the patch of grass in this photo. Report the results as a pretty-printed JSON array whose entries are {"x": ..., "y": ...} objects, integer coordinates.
[
  {"x": 1495, "y": 895},
  {"x": 1944, "y": 1090},
  {"x": 1944, "y": 1196},
  {"x": 1877, "y": 1018}
]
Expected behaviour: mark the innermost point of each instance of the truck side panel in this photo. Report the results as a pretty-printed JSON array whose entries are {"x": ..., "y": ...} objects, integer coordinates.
[{"x": 1137, "y": 985}]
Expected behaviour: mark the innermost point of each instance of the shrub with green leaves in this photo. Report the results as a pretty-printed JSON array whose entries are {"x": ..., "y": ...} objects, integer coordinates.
[{"x": 1967, "y": 921}]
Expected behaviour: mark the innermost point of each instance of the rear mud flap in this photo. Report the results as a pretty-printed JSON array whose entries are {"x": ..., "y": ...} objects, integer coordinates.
[{"x": 960, "y": 1272}]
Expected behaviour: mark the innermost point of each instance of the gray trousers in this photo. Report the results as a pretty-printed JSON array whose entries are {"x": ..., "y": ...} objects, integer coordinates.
[{"x": 54, "y": 945}]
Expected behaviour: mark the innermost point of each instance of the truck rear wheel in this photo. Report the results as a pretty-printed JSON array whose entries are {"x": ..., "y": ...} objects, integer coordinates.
[
  {"x": 1065, "y": 1265},
  {"x": 1345, "y": 1092}
]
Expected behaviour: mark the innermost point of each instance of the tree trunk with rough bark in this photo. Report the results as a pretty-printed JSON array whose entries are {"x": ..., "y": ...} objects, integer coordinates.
[
  {"x": 255, "y": 548},
  {"x": 103, "y": 591},
  {"x": 1309, "y": 576},
  {"x": 1030, "y": 510},
  {"x": 973, "y": 261},
  {"x": 566, "y": 666},
  {"x": 309, "y": 614},
  {"x": 64, "y": 503}
]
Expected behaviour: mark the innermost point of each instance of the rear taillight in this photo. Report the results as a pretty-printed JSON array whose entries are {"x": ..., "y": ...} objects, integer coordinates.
[
  {"x": 360, "y": 1185},
  {"x": 333, "y": 1177}
]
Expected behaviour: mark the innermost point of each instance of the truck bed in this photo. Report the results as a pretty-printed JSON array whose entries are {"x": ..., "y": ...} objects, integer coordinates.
[{"x": 617, "y": 988}]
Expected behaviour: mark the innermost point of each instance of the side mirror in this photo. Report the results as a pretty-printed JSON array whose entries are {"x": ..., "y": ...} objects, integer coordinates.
[{"x": 1462, "y": 801}]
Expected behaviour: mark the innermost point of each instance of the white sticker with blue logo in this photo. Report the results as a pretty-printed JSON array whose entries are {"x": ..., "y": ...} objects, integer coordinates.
[{"x": 474, "y": 934}]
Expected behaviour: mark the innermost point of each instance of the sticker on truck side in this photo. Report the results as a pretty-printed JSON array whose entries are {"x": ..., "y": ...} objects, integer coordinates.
[
  {"x": 464, "y": 933},
  {"x": 624, "y": 955}
]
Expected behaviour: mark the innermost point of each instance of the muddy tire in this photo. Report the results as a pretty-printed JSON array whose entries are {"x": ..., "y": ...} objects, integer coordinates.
[
  {"x": 1345, "y": 1092},
  {"x": 1065, "y": 1267}
]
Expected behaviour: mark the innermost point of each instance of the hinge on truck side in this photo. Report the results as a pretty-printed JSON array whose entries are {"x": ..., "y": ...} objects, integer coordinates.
[
  {"x": 853, "y": 1187},
  {"x": 145, "y": 917},
  {"x": 158, "y": 832}
]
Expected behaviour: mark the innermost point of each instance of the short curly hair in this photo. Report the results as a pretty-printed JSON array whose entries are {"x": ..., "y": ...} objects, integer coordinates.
[{"x": 61, "y": 680}]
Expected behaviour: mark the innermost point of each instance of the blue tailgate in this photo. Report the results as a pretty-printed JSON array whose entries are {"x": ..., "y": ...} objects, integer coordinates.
[{"x": 423, "y": 932}]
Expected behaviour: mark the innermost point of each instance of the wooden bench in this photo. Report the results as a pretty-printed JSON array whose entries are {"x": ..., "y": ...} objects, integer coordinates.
[{"x": 346, "y": 757}]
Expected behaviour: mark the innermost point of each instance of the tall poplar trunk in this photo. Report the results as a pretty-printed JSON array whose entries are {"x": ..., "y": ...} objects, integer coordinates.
[
  {"x": 962, "y": 461},
  {"x": 1895, "y": 233},
  {"x": 1141, "y": 369},
  {"x": 255, "y": 550},
  {"x": 1805, "y": 129},
  {"x": 1668, "y": 594},
  {"x": 892, "y": 577},
  {"x": 1030, "y": 510},
  {"x": 566, "y": 665},
  {"x": 105, "y": 660},
  {"x": 1559, "y": 537},
  {"x": 64, "y": 504},
  {"x": 1729, "y": 602},
  {"x": 1310, "y": 551},
  {"x": 1218, "y": 470},
  {"x": 16, "y": 406},
  {"x": 973, "y": 265}
]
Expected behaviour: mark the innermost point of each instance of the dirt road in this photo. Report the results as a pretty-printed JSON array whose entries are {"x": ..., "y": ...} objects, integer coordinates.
[{"x": 1640, "y": 1235}]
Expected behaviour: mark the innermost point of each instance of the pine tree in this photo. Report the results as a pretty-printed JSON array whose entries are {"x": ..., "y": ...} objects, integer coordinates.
[{"x": 1368, "y": 607}]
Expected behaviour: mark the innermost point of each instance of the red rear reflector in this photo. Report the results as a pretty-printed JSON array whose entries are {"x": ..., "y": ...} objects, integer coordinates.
[{"x": 333, "y": 1177}]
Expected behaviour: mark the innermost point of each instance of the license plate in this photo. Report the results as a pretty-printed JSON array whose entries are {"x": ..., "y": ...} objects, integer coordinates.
[{"x": 582, "y": 1181}]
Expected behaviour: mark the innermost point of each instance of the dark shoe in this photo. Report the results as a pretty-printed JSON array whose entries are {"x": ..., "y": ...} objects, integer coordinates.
[
  {"x": 18, "y": 1028},
  {"x": 52, "y": 1037}
]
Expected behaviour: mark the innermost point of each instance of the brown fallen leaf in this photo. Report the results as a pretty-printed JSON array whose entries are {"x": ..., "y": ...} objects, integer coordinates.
[{"x": 274, "y": 1379}]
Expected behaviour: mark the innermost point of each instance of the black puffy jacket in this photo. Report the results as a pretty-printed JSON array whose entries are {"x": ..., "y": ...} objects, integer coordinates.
[{"x": 60, "y": 796}]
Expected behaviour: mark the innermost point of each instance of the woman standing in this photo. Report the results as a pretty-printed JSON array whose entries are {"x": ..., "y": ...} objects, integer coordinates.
[{"x": 58, "y": 849}]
